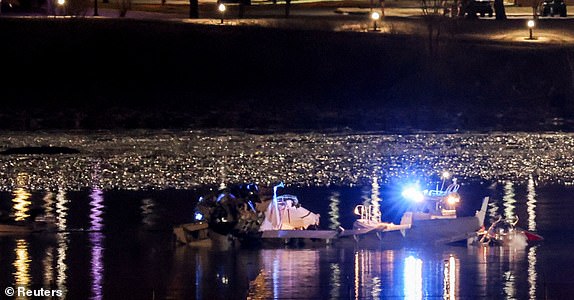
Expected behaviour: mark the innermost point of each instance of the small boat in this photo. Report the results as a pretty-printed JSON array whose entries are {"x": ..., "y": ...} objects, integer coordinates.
[
  {"x": 39, "y": 224},
  {"x": 240, "y": 215},
  {"x": 285, "y": 219},
  {"x": 434, "y": 217}
]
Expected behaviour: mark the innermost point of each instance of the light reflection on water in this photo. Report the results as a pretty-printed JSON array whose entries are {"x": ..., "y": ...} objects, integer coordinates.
[
  {"x": 532, "y": 275},
  {"x": 21, "y": 200},
  {"x": 96, "y": 203},
  {"x": 47, "y": 205},
  {"x": 282, "y": 273},
  {"x": 413, "y": 278},
  {"x": 375, "y": 194},
  {"x": 48, "y": 266},
  {"x": 22, "y": 264},
  {"x": 449, "y": 272},
  {"x": 97, "y": 264},
  {"x": 335, "y": 281},
  {"x": 509, "y": 201},
  {"x": 61, "y": 264},
  {"x": 531, "y": 204},
  {"x": 147, "y": 211},
  {"x": 61, "y": 209},
  {"x": 435, "y": 275},
  {"x": 334, "y": 211},
  {"x": 188, "y": 159},
  {"x": 97, "y": 242}
]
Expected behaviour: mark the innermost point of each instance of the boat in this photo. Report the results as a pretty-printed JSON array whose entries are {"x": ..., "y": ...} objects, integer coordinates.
[
  {"x": 39, "y": 224},
  {"x": 285, "y": 219},
  {"x": 241, "y": 215},
  {"x": 434, "y": 216},
  {"x": 431, "y": 219}
]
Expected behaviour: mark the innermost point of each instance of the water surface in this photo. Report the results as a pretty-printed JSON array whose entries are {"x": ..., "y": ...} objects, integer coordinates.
[{"x": 115, "y": 206}]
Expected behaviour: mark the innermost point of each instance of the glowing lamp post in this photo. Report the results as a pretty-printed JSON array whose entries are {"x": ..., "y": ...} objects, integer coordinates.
[
  {"x": 61, "y": 4},
  {"x": 375, "y": 16},
  {"x": 530, "y": 24},
  {"x": 221, "y": 9}
]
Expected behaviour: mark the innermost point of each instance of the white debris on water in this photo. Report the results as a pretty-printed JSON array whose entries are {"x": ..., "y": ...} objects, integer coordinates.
[{"x": 187, "y": 159}]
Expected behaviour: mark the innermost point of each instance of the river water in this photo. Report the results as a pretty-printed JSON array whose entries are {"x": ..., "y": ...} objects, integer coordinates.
[{"x": 115, "y": 204}]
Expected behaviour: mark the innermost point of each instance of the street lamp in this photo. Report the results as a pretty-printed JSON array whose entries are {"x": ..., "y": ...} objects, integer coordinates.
[
  {"x": 375, "y": 16},
  {"x": 530, "y": 24},
  {"x": 61, "y": 3},
  {"x": 221, "y": 9}
]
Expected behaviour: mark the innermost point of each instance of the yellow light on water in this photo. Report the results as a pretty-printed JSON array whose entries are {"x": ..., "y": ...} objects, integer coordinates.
[
  {"x": 22, "y": 263},
  {"x": 21, "y": 204}
]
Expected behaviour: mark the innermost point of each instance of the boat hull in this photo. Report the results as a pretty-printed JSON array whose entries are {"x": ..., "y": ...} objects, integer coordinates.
[
  {"x": 15, "y": 229},
  {"x": 442, "y": 231},
  {"x": 421, "y": 233}
]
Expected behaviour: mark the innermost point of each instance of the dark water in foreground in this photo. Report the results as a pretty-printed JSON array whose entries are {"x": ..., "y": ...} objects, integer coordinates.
[{"x": 126, "y": 250}]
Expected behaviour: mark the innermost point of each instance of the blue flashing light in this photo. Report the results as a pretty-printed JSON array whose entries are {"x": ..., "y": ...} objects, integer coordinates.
[
  {"x": 413, "y": 193},
  {"x": 280, "y": 185},
  {"x": 251, "y": 205},
  {"x": 198, "y": 216},
  {"x": 220, "y": 197}
]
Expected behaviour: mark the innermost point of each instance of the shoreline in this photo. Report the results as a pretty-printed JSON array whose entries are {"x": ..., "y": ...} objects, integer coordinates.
[{"x": 127, "y": 73}]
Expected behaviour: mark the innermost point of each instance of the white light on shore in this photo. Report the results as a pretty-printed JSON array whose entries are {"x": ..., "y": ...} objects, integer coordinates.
[{"x": 530, "y": 24}]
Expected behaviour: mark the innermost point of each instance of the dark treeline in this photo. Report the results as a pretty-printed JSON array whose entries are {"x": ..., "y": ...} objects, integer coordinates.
[{"x": 91, "y": 74}]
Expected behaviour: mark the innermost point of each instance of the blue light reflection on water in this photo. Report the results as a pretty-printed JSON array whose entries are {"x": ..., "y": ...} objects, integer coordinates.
[
  {"x": 413, "y": 278},
  {"x": 132, "y": 255}
]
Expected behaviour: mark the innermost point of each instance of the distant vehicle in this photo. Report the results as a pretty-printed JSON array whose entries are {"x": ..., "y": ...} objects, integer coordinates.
[
  {"x": 552, "y": 8},
  {"x": 479, "y": 7}
]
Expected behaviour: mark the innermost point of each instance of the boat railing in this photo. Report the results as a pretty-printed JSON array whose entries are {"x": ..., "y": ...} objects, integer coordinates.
[
  {"x": 282, "y": 200},
  {"x": 368, "y": 212},
  {"x": 452, "y": 188}
]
